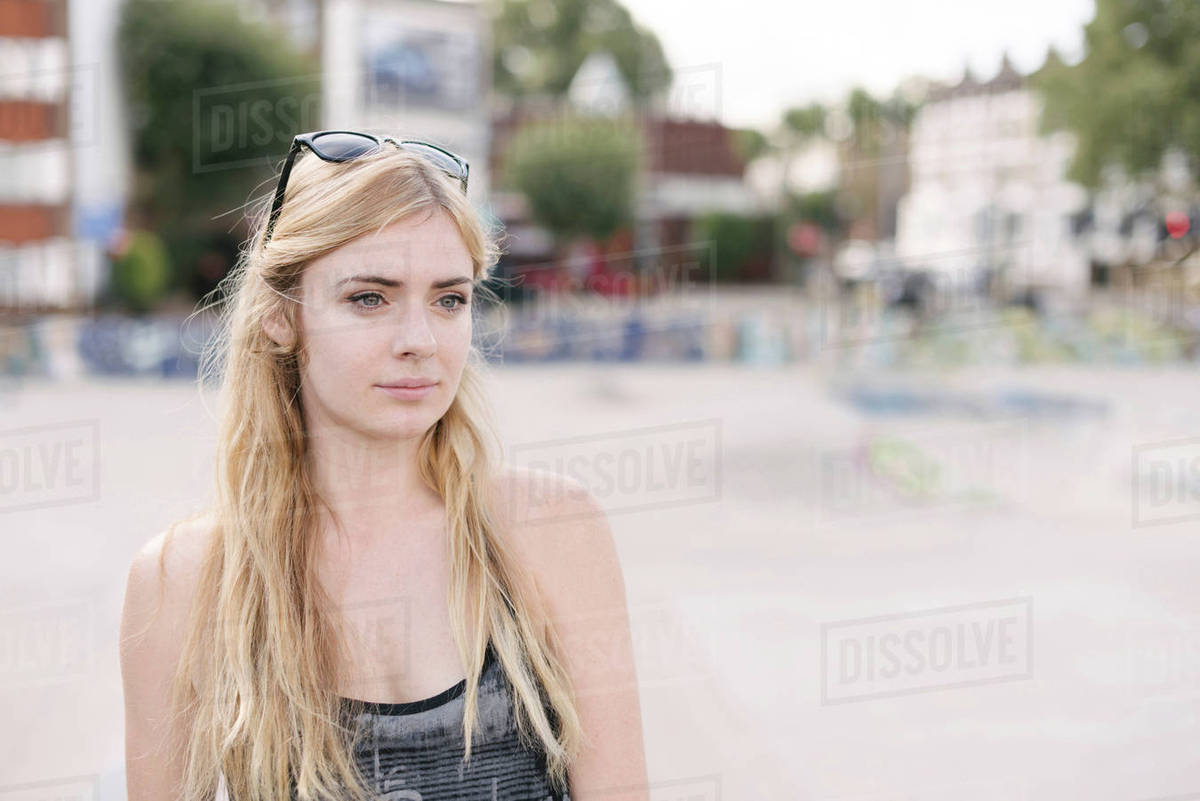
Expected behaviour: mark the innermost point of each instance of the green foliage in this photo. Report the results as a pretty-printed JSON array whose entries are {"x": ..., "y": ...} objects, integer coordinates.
[
  {"x": 868, "y": 115},
  {"x": 749, "y": 143},
  {"x": 820, "y": 208},
  {"x": 735, "y": 239},
  {"x": 539, "y": 44},
  {"x": 899, "y": 111},
  {"x": 870, "y": 118},
  {"x": 1135, "y": 94},
  {"x": 140, "y": 275},
  {"x": 862, "y": 107},
  {"x": 807, "y": 121},
  {"x": 577, "y": 172},
  {"x": 213, "y": 102}
]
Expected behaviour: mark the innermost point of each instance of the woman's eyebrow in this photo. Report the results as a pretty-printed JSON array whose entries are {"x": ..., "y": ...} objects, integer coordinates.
[{"x": 392, "y": 282}]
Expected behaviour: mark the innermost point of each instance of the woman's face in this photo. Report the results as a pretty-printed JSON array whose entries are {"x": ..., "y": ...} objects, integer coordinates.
[{"x": 382, "y": 310}]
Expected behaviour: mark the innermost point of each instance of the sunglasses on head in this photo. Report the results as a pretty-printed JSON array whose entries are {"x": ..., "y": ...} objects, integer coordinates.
[{"x": 348, "y": 145}]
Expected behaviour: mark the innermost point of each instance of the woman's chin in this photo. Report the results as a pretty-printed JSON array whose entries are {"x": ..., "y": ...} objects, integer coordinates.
[{"x": 406, "y": 425}]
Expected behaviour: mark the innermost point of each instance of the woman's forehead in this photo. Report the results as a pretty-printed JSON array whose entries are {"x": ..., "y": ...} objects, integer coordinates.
[{"x": 404, "y": 252}]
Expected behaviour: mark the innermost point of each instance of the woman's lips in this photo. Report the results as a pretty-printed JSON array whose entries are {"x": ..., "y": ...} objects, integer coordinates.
[{"x": 407, "y": 393}]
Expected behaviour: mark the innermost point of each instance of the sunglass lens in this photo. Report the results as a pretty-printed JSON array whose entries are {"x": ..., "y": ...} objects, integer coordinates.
[{"x": 344, "y": 146}]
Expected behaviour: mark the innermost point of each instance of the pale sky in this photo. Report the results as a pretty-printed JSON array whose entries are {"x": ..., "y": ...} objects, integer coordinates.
[{"x": 750, "y": 59}]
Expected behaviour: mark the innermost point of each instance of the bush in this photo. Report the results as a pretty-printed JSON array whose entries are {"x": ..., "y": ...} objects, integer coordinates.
[
  {"x": 735, "y": 241},
  {"x": 141, "y": 273},
  {"x": 578, "y": 173}
]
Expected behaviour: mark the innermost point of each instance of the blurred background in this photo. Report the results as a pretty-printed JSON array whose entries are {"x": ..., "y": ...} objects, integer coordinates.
[{"x": 873, "y": 328}]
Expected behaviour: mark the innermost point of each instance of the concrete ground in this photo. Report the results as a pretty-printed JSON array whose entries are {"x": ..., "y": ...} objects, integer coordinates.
[{"x": 992, "y": 597}]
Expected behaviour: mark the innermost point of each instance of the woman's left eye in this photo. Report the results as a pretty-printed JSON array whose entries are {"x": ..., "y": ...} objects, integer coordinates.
[{"x": 461, "y": 301}]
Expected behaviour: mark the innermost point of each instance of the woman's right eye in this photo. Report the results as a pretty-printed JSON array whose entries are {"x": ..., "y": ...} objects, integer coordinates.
[{"x": 357, "y": 300}]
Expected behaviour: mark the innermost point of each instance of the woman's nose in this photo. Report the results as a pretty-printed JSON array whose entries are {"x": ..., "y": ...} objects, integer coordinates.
[{"x": 413, "y": 334}]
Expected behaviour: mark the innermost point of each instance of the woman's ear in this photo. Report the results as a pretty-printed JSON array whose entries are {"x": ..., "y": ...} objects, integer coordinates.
[{"x": 279, "y": 329}]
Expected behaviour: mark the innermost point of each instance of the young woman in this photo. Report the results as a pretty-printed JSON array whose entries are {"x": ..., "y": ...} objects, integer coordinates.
[{"x": 366, "y": 550}]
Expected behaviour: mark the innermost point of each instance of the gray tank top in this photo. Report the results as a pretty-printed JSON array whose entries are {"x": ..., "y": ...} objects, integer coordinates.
[{"x": 413, "y": 751}]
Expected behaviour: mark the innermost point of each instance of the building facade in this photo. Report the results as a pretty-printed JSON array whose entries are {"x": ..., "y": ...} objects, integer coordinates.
[
  {"x": 988, "y": 203},
  {"x": 51, "y": 253},
  {"x": 414, "y": 68}
]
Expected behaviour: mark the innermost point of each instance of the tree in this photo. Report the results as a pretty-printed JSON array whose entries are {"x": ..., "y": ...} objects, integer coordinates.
[
  {"x": 805, "y": 123},
  {"x": 538, "y": 45},
  {"x": 1136, "y": 93},
  {"x": 577, "y": 173},
  {"x": 873, "y": 158},
  {"x": 750, "y": 143},
  {"x": 873, "y": 120},
  {"x": 213, "y": 102},
  {"x": 798, "y": 127}
]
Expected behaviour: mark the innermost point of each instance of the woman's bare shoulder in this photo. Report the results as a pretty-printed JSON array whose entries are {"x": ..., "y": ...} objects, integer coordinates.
[
  {"x": 530, "y": 498},
  {"x": 163, "y": 574},
  {"x": 557, "y": 526},
  {"x": 178, "y": 550},
  {"x": 158, "y": 596}
]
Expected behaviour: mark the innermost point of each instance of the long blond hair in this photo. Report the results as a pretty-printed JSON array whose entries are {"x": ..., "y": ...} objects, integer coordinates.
[{"x": 257, "y": 675}]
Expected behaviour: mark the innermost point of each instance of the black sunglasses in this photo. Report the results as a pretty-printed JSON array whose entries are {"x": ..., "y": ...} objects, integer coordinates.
[{"x": 349, "y": 145}]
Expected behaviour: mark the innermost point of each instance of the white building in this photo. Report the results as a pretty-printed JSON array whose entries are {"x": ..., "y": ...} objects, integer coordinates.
[
  {"x": 597, "y": 86},
  {"x": 57, "y": 169},
  {"x": 988, "y": 196},
  {"x": 417, "y": 68}
]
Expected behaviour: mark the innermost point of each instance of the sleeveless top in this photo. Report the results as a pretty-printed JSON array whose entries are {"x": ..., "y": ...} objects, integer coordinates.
[{"x": 413, "y": 751}]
